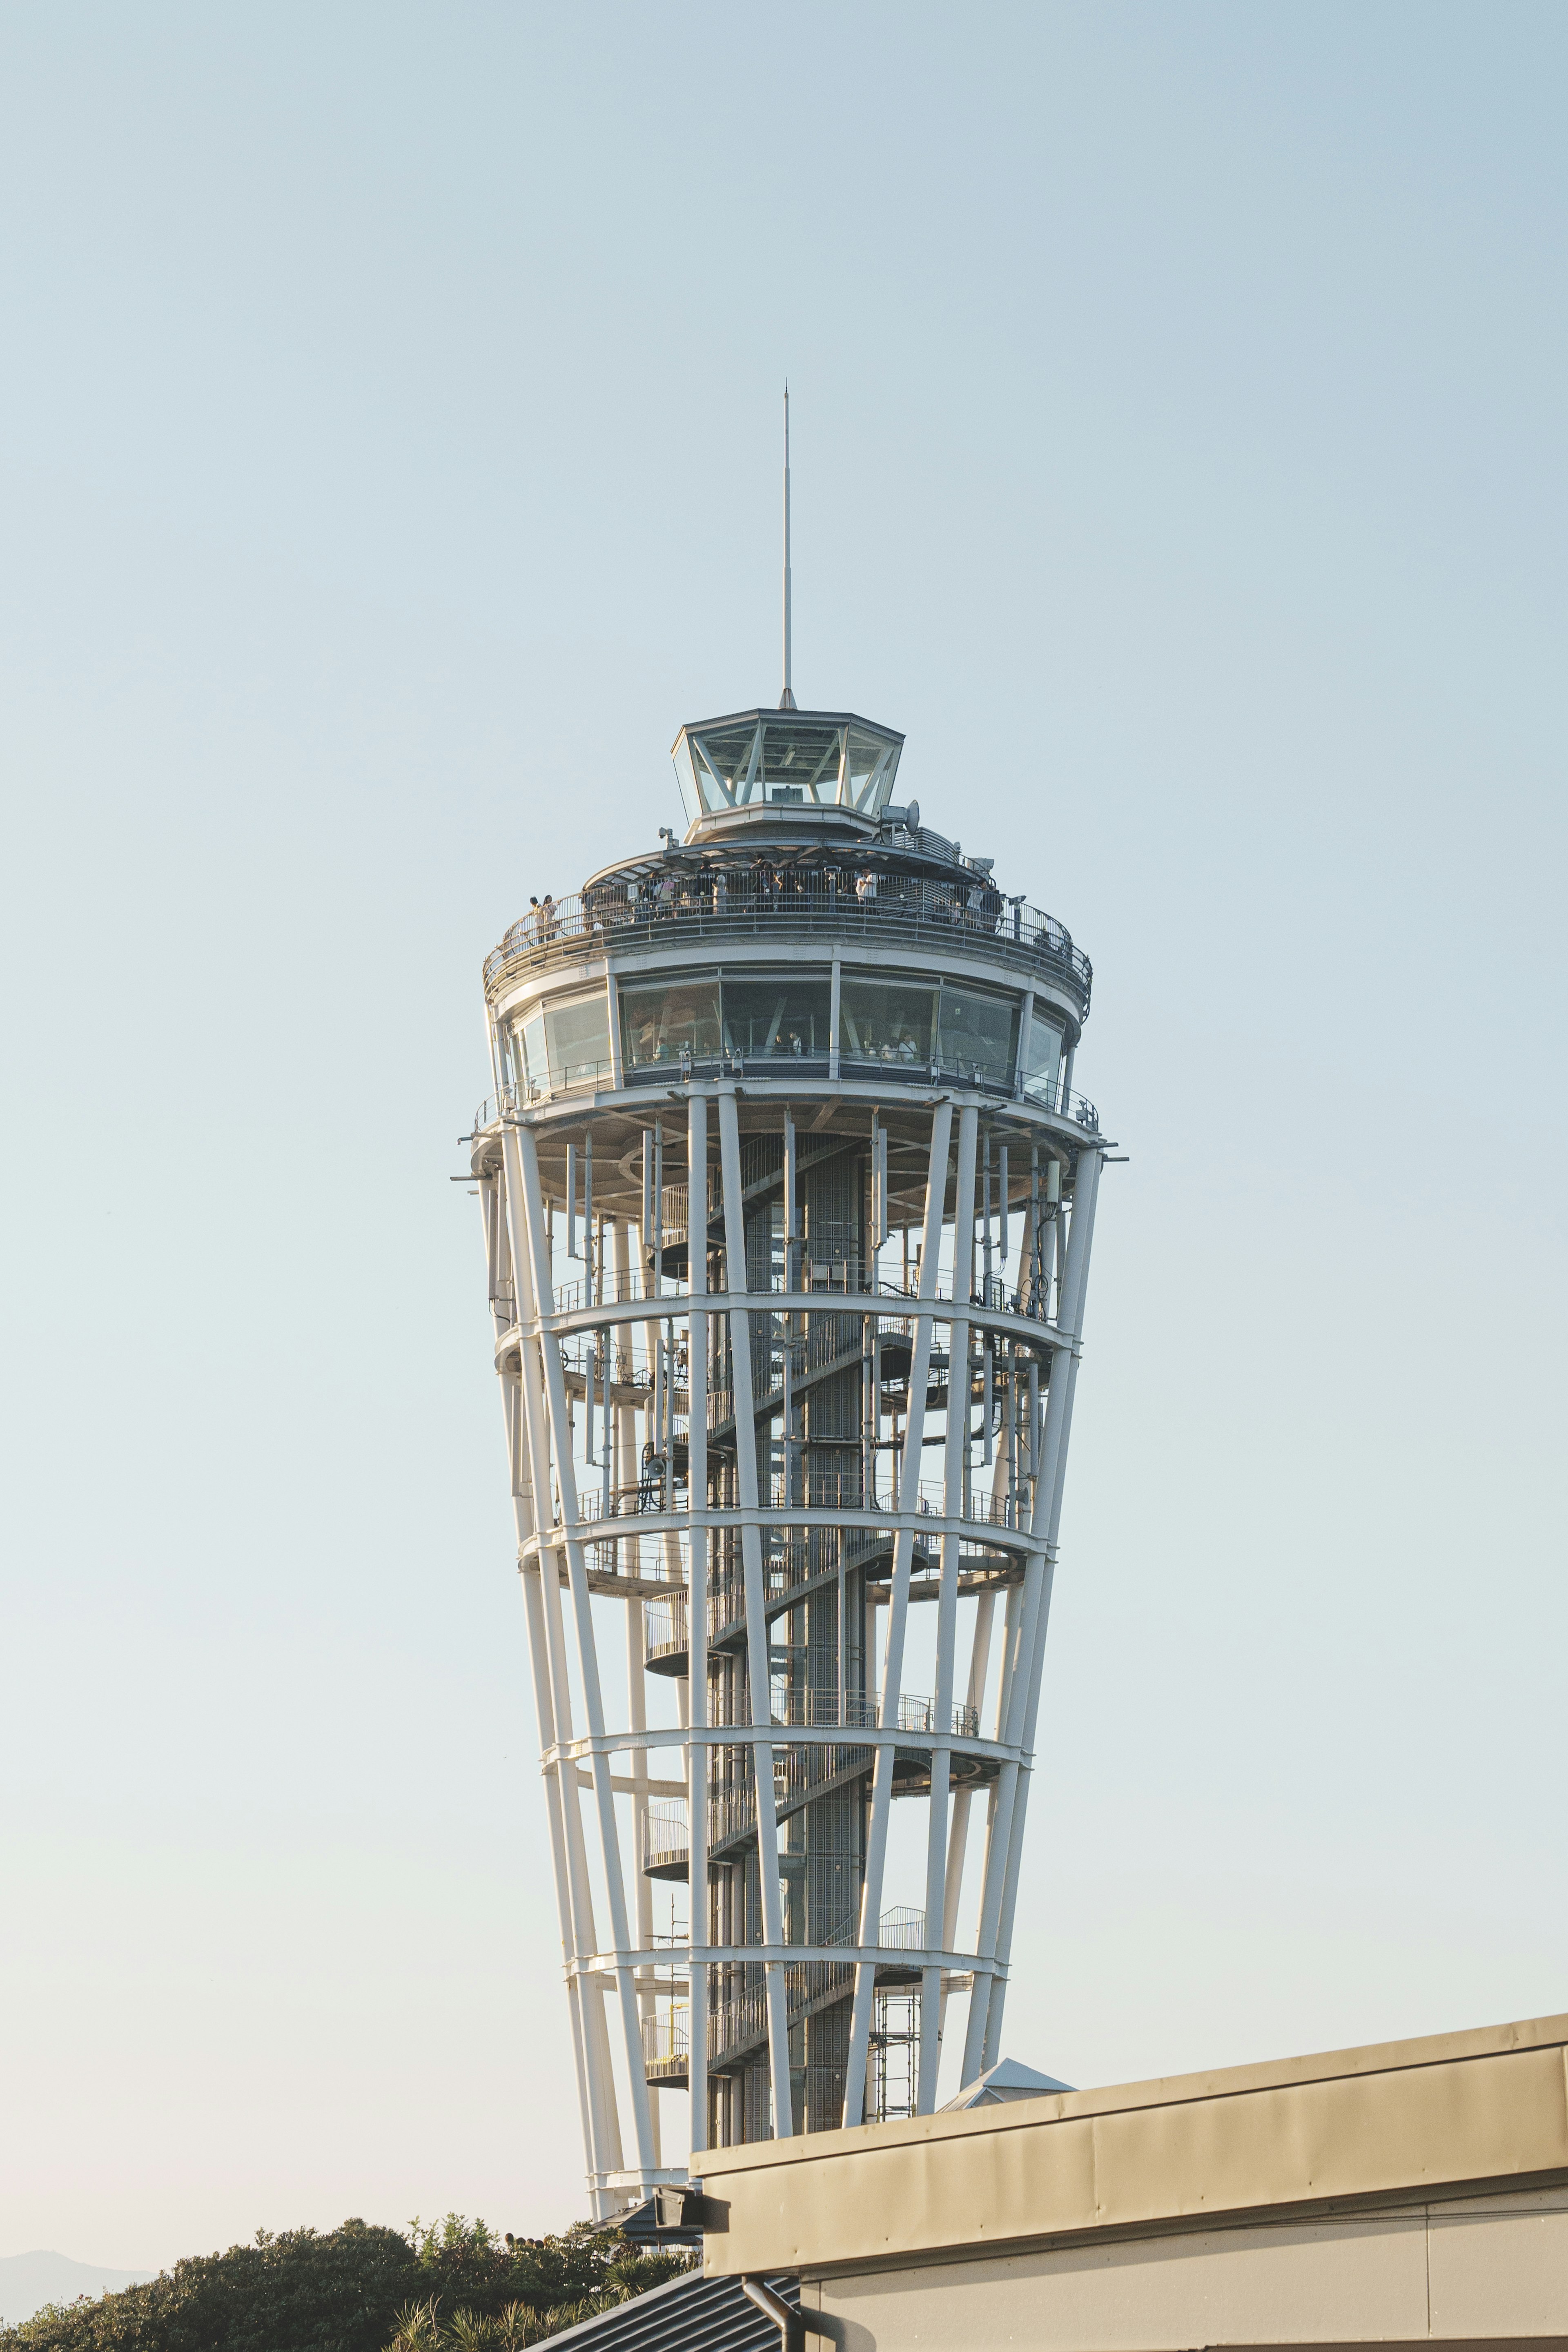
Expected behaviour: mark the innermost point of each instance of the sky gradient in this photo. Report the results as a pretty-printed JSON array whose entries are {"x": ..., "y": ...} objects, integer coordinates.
[{"x": 388, "y": 466}]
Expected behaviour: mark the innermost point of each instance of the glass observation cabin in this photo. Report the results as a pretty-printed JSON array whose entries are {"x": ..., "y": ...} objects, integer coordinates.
[
  {"x": 817, "y": 930},
  {"x": 793, "y": 760}
]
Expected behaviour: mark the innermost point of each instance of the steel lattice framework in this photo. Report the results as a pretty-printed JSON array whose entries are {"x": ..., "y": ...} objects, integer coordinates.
[{"x": 788, "y": 1238}]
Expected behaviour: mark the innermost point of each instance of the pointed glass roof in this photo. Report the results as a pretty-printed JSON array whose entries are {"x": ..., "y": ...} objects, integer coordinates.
[{"x": 786, "y": 759}]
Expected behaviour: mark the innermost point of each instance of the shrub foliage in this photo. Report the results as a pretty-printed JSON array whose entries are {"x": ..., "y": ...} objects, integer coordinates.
[{"x": 449, "y": 2286}]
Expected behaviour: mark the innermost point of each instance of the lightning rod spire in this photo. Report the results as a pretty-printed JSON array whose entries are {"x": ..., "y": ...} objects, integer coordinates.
[{"x": 786, "y": 700}]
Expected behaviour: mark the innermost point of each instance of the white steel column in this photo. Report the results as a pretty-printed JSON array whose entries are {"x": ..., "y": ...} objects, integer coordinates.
[
  {"x": 1022, "y": 1664},
  {"x": 1048, "y": 1519},
  {"x": 601, "y": 2125},
  {"x": 758, "y": 1673},
  {"x": 834, "y": 1002},
  {"x": 620, "y": 1437},
  {"x": 958, "y": 1836},
  {"x": 898, "y": 1612},
  {"x": 498, "y": 1264},
  {"x": 524, "y": 1519},
  {"x": 697, "y": 1751},
  {"x": 534, "y": 1604},
  {"x": 947, "y": 1601},
  {"x": 637, "y": 1759},
  {"x": 588, "y": 1662}
]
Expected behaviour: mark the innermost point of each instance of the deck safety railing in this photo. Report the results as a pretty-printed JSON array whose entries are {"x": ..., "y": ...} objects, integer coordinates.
[
  {"x": 938, "y": 1070},
  {"x": 683, "y": 909}
]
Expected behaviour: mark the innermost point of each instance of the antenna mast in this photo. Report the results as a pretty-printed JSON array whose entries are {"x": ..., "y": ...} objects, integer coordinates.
[{"x": 786, "y": 700}]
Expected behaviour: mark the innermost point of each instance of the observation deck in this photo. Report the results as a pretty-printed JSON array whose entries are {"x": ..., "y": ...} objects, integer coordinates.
[
  {"x": 813, "y": 924},
  {"x": 682, "y": 903}
]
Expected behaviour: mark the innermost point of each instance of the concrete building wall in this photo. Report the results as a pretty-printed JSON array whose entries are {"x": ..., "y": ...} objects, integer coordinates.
[
  {"x": 1411, "y": 2193},
  {"x": 1489, "y": 2269}
]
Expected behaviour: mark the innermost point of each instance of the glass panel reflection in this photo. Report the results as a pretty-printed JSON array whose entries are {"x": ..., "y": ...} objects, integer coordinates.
[
  {"x": 784, "y": 1013},
  {"x": 659, "y": 1022},
  {"x": 577, "y": 1034},
  {"x": 901, "y": 1022},
  {"x": 1043, "y": 1061},
  {"x": 800, "y": 762},
  {"x": 529, "y": 1037},
  {"x": 868, "y": 759},
  {"x": 886, "y": 1021},
  {"x": 979, "y": 1034},
  {"x": 686, "y": 777},
  {"x": 562, "y": 1044}
]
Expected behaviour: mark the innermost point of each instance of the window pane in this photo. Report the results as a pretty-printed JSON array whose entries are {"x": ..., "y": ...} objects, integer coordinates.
[
  {"x": 656, "y": 1022},
  {"x": 868, "y": 757},
  {"x": 728, "y": 753},
  {"x": 800, "y": 763},
  {"x": 578, "y": 1033},
  {"x": 785, "y": 1014},
  {"x": 886, "y": 1021},
  {"x": 526, "y": 1056},
  {"x": 979, "y": 1032},
  {"x": 1044, "y": 1062},
  {"x": 685, "y": 776}
]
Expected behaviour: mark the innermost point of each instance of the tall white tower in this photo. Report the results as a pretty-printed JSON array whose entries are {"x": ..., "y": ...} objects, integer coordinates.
[{"x": 787, "y": 1207}]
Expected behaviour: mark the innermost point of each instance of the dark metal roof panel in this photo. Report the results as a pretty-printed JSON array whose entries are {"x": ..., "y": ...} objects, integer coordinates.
[
  {"x": 785, "y": 717},
  {"x": 692, "y": 2314}
]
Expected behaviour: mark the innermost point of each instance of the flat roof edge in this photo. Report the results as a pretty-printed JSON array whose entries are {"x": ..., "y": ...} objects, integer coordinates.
[
  {"x": 801, "y": 718},
  {"x": 1161, "y": 2091},
  {"x": 1316, "y": 2211}
]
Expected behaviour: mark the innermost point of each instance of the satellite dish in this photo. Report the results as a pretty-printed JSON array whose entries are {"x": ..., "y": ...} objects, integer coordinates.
[{"x": 913, "y": 816}]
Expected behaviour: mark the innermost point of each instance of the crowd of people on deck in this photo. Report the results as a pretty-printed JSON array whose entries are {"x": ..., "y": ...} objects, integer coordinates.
[{"x": 762, "y": 886}]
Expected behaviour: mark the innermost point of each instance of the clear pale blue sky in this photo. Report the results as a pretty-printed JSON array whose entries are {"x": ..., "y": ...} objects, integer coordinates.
[{"x": 388, "y": 466}]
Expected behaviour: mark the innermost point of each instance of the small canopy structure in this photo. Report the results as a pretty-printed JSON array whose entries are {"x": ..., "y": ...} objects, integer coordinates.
[{"x": 1006, "y": 2080}]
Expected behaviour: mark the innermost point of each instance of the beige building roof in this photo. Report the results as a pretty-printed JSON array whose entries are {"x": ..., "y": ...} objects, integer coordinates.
[{"x": 1402, "y": 2121}]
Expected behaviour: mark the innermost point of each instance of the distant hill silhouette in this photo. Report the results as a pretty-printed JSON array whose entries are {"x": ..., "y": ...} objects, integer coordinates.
[{"x": 29, "y": 2281}]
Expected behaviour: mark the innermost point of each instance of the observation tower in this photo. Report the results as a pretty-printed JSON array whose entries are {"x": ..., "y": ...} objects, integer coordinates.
[{"x": 787, "y": 1206}]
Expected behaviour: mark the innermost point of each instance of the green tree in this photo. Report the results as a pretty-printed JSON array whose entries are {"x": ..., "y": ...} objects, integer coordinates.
[
  {"x": 300, "y": 2291},
  {"x": 453, "y": 2286},
  {"x": 468, "y": 2267}
]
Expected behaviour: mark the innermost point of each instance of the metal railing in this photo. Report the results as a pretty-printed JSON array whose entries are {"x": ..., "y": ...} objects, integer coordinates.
[
  {"x": 819, "y": 1710},
  {"x": 845, "y": 1491},
  {"x": 667, "y": 2037},
  {"x": 840, "y": 1492},
  {"x": 732, "y": 1813},
  {"x": 923, "y": 1715},
  {"x": 665, "y": 1630},
  {"x": 741, "y": 2016},
  {"x": 824, "y": 1278},
  {"x": 652, "y": 1494},
  {"x": 935, "y": 1071},
  {"x": 712, "y": 902},
  {"x": 733, "y": 2023},
  {"x": 666, "y": 1834},
  {"x": 612, "y": 1289}
]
